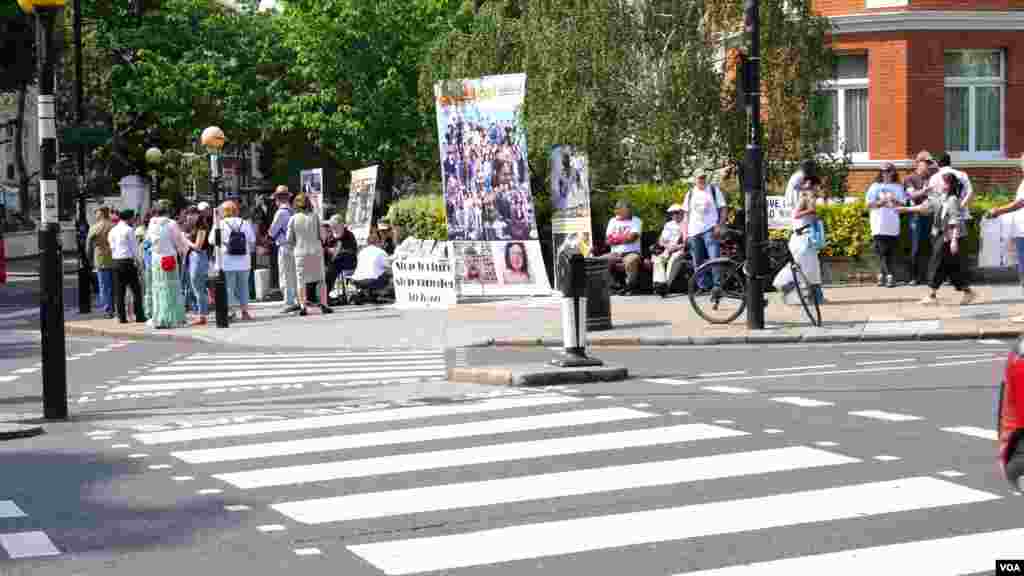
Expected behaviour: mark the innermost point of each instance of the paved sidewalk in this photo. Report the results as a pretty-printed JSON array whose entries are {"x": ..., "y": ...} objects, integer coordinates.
[{"x": 854, "y": 313}]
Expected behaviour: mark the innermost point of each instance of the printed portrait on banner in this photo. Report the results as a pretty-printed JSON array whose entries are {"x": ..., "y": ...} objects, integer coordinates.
[
  {"x": 570, "y": 202},
  {"x": 311, "y": 183},
  {"x": 362, "y": 196}
]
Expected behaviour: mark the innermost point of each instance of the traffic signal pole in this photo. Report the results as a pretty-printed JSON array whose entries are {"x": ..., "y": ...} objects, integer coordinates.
[{"x": 753, "y": 170}]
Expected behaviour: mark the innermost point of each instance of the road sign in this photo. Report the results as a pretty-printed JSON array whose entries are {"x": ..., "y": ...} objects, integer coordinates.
[{"x": 84, "y": 136}]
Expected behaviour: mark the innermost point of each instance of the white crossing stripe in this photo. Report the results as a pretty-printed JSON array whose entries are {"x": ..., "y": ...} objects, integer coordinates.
[
  {"x": 28, "y": 545},
  {"x": 483, "y": 455},
  {"x": 717, "y": 374},
  {"x": 409, "y": 435},
  {"x": 974, "y": 431},
  {"x": 4, "y": 379},
  {"x": 669, "y": 381},
  {"x": 8, "y": 509},
  {"x": 728, "y": 389},
  {"x": 288, "y": 369},
  {"x": 557, "y": 485},
  {"x": 25, "y": 371},
  {"x": 555, "y": 538},
  {"x": 882, "y": 415},
  {"x": 218, "y": 358},
  {"x": 795, "y": 368},
  {"x": 318, "y": 422},
  {"x": 956, "y": 555},
  {"x": 326, "y": 377},
  {"x": 803, "y": 402}
]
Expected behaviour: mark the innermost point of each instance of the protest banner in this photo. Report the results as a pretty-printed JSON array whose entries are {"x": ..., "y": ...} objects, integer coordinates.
[
  {"x": 424, "y": 283},
  {"x": 362, "y": 195},
  {"x": 312, "y": 185},
  {"x": 486, "y": 179},
  {"x": 570, "y": 201}
]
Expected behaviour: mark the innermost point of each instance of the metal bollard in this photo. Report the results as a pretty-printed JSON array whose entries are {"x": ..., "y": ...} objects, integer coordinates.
[{"x": 574, "y": 315}]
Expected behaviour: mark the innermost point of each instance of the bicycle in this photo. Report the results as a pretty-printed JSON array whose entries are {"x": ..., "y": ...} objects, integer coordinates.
[{"x": 728, "y": 292}]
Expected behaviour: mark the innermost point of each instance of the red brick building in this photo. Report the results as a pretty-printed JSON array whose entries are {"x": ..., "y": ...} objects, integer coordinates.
[{"x": 937, "y": 75}]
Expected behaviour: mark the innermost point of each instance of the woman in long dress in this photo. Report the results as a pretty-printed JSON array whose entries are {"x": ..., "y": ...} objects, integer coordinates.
[
  {"x": 167, "y": 242},
  {"x": 304, "y": 236}
]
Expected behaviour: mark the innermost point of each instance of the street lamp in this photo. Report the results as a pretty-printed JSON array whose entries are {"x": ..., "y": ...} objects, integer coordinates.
[
  {"x": 153, "y": 158},
  {"x": 213, "y": 140},
  {"x": 51, "y": 302}
]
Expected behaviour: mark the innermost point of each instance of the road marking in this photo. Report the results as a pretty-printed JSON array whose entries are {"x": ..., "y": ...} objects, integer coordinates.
[
  {"x": 159, "y": 466},
  {"x": 679, "y": 413},
  {"x": 793, "y": 368},
  {"x": 265, "y": 359},
  {"x": 409, "y": 435},
  {"x": 803, "y": 402},
  {"x": 955, "y": 356},
  {"x": 8, "y": 509},
  {"x": 197, "y": 373},
  {"x": 182, "y": 478},
  {"x": 827, "y": 444},
  {"x": 562, "y": 537},
  {"x": 206, "y": 491},
  {"x": 294, "y": 425},
  {"x": 641, "y": 405},
  {"x": 772, "y": 431},
  {"x": 556, "y": 485},
  {"x": 805, "y": 374},
  {"x": 876, "y": 362},
  {"x": 28, "y": 545},
  {"x": 668, "y": 381},
  {"x": 515, "y": 451},
  {"x": 955, "y": 555},
  {"x": 728, "y": 389},
  {"x": 307, "y": 552},
  {"x": 887, "y": 458},
  {"x": 992, "y": 342},
  {"x": 4, "y": 379},
  {"x": 138, "y": 456},
  {"x": 25, "y": 371},
  {"x": 605, "y": 397},
  {"x": 214, "y": 380},
  {"x": 725, "y": 421},
  {"x": 271, "y": 528},
  {"x": 237, "y": 508},
  {"x": 889, "y": 416},
  {"x": 964, "y": 362},
  {"x": 984, "y": 433},
  {"x": 717, "y": 374},
  {"x": 120, "y": 445},
  {"x": 951, "y": 473}
]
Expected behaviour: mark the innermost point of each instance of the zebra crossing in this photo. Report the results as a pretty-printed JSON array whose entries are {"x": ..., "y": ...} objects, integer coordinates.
[
  {"x": 21, "y": 544},
  {"x": 244, "y": 372},
  {"x": 353, "y": 477}
]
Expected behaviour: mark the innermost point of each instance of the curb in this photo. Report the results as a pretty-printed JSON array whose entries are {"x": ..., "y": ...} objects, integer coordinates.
[
  {"x": 979, "y": 333},
  {"x": 16, "y": 431},
  {"x": 541, "y": 375},
  {"x": 77, "y": 330}
]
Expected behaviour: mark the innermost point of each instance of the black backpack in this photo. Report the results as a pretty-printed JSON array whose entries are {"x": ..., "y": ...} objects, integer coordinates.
[{"x": 237, "y": 244}]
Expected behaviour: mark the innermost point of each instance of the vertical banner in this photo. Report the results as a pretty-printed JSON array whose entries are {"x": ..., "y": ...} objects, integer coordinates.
[
  {"x": 570, "y": 201},
  {"x": 312, "y": 185},
  {"x": 362, "y": 195},
  {"x": 491, "y": 221}
]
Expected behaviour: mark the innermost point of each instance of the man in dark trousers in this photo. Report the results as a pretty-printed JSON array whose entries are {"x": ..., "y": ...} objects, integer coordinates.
[{"x": 124, "y": 249}]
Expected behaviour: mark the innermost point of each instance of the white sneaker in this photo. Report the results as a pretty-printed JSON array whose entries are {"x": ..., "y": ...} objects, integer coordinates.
[
  {"x": 969, "y": 297},
  {"x": 929, "y": 301}
]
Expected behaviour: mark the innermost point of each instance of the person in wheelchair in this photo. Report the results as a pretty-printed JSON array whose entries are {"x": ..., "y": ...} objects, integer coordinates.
[{"x": 373, "y": 272}]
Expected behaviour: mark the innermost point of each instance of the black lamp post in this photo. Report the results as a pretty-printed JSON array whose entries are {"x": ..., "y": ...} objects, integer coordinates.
[
  {"x": 754, "y": 187},
  {"x": 213, "y": 140},
  {"x": 51, "y": 322}
]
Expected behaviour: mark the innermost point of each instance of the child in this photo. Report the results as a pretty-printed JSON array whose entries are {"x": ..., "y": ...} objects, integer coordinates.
[{"x": 947, "y": 230}]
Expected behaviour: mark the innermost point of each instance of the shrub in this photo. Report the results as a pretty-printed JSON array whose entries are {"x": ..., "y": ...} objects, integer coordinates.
[
  {"x": 421, "y": 216},
  {"x": 650, "y": 203}
]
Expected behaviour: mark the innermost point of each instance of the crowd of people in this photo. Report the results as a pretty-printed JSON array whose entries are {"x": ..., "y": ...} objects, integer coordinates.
[
  {"x": 167, "y": 262},
  {"x": 487, "y": 189}
]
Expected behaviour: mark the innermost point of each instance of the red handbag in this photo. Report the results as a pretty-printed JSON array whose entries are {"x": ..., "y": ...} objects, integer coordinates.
[{"x": 168, "y": 263}]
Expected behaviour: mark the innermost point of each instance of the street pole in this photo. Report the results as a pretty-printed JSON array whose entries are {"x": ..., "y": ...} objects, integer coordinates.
[
  {"x": 84, "y": 266},
  {"x": 220, "y": 288},
  {"x": 753, "y": 169},
  {"x": 51, "y": 323}
]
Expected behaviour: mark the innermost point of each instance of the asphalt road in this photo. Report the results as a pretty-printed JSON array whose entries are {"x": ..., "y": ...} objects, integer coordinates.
[{"x": 709, "y": 458}]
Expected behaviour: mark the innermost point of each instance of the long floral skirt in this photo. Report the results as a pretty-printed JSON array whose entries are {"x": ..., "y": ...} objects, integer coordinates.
[{"x": 168, "y": 301}]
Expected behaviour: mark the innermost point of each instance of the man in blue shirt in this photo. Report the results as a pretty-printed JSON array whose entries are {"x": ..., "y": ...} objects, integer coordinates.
[{"x": 285, "y": 257}]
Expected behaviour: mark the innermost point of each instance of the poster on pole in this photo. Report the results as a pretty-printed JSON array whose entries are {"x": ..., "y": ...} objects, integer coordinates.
[
  {"x": 312, "y": 185},
  {"x": 489, "y": 204},
  {"x": 570, "y": 202},
  {"x": 362, "y": 195}
]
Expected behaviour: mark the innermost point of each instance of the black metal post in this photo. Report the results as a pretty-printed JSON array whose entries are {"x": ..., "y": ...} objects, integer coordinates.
[
  {"x": 573, "y": 285},
  {"x": 84, "y": 265},
  {"x": 220, "y": 287},
  {"x": 754, "y": 186},
  {"x": 51, "y": 323}
]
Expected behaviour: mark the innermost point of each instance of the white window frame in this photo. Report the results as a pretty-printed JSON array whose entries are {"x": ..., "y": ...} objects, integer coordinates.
[
  {"x": 840, "y": 87},
  {"x": 971, "y": 84}
]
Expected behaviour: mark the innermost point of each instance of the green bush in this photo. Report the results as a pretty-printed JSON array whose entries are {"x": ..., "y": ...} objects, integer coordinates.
[
  {"x": 650, "y": 202},
  {"x": 421, "y": 216}
]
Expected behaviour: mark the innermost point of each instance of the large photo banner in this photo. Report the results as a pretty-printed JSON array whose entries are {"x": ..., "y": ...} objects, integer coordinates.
[
  {"x": 362, "y": 195},
  {"x": 312, "y": 185},
  {"x": 570, "y": 201},
  {"x": 486, "y": 180}
]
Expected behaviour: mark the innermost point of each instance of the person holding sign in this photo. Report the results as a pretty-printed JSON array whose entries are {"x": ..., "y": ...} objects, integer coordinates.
[
  {"x": 669, "y": 256},
  {"x": 884, "y": 195}
]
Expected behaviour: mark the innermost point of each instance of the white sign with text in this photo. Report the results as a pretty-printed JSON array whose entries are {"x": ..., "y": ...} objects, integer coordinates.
[
  {"x": 779, "y": 215},
  {"x": 424, "y": 283}
]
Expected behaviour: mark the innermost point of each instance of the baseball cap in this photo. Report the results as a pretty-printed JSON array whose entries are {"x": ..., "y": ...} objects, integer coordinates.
[
  {"x": 203, "y": 206},
  {"x": 675, "y": 208}
]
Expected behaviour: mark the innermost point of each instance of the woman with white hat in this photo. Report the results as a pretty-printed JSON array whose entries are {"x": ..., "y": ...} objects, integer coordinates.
[{"x": 669, "y": 257}]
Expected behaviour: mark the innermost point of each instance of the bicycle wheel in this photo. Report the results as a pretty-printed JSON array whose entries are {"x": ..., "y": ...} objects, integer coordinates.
[
  {"x": 718, "y": 290},
  {"x": 808, "y": 298}
]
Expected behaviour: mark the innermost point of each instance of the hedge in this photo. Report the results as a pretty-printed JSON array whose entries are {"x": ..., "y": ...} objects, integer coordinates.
[{"x": 421, "y": 216}]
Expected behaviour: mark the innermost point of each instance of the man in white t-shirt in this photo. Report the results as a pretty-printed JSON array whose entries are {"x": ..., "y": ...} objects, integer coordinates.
[
  {"x": 704, "y": 209},
  {"x": 1018, "y": 229},
  {"x": 672, "y": 240},
  {"x": 372, "y": 269},
  {"x": 623, "y": 236}
]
